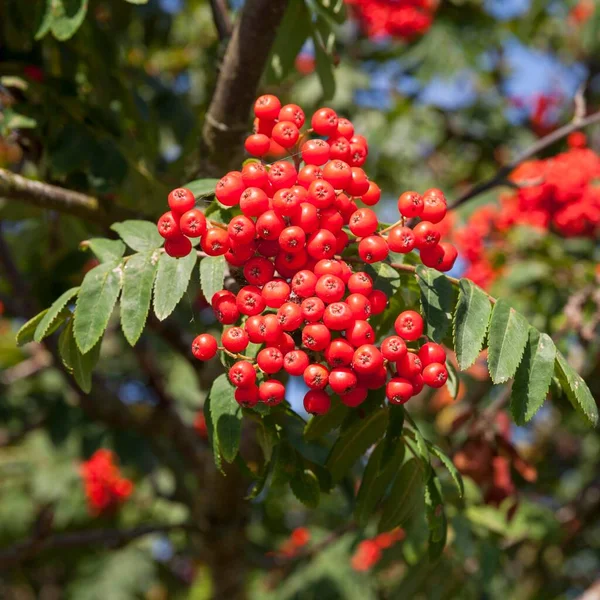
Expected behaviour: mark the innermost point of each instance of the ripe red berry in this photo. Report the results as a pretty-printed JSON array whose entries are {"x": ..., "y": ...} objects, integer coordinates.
[
  {"x": 253, "y": 202},
  {"x": 360, "y": 333},
  {"x": 287, "y": 263},
  {"x": 373, "y": 249},
  {"x": 342, "y": 380},
  {"x": 193, "y": 223},
  {"x": 314, "y": 152},
  {"x": 270, "y": 225},
  {"x": 355, "y": 398},
  {"x": 181, "y": 200},
  {"x": 363, "y": 222},
  {"x": 316, "y": 376},
  {"x": 378, "y": 302},
  {"x": 410, "y": 204},
  {"x": 321, "y": 193},
  {"x": 292, "y": 239},
  {"x": 250, "y": 301},
  {"x": 328, "y": 267},
  {"x": 435, "y": 375},
  {"x": 367, "y": 359},
  {"x": 225, "y": 309},
  {"x": 330, "y": 288},
  {"x": 312, "y": 309},
  {"x": 434, "y": 206},
  {"x": 292, "y": 112},
  {"x": 270, "y": 360},
  {"x": 321, "y": 244},
  {"x": 338, "y": 174},
  {"x": 241, "y": 230},
  {"x": 295, "y": 362},
  {"x": 303, "y": 283},
  {"x": 401, "y": 239},
  {"x": 372, "y": 195},
  {"x": 418, "y": 383},
  {"x": 204, "y": 346},
  {"x": 267, "y": 107},
  {"x": 316, "y": 336},
  {"x": 360, "y": 283},
  {"x": 359, "y": 305},
  {"x": 316, "y": 402},
  {"x": 230, "y": 188},
  {"x": 324, "y": 122},
  {"x": 409, "y": 325},
  {"x": 308, "y": 173},
  {"x": 345, "y": 128},
  {"x": 255, "y": 328},
  {"x": 339, "y": 353},
  {"x": 258, "y": 270},
  {"x": 235, "y": 339},
  {"x": 338, "y": 316},
  {"x": 287, "y": 201},
  {"x": 285, "y": 133},
  {"x": 289, "y": 316},
  {"x": 242, "y": 374},
  {"x": 399, "y": 390},
  {"x": 178, "y": 247},
  {"x": 359, "y": 184},
  {"x": 271, "y": 392},
  {"x": 254, "y": 174},
  {"x": 409, "y": 366},
  {"x": 432, "y": 353},
  {"x": 426, "y": 235},
  {"x": 276, "y": 293},
  {"x": 340, "y": 149},
  {"x": 282, "y": 174},
  {"x": 441, "y": 256},
  {"x": 168, "y": 226},
  {"x": 331, "y": 220},
  {"x": 307, "y": 218},
  {"x": 246, "y": 396},
  {"x": 215, "y": 242},
  {"x": 393, "y": 348},
  {"x": 257, "y": 144},
  {"x": 358, "y": 154}
]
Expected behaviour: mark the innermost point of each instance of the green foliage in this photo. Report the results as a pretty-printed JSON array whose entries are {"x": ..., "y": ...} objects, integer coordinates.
[
  {"x": 202, "y": 188},
  {"x": 305, "y": 486},
  {"x": 62, "y": 18},
  {"x": 212, "y": 274},
  {"x": 79, "y": 364},
  {"x": 171, "y": 283},
  {"x": 577, "y": 391},
  {"x": 27, "y": 331},
  {"x": 52, "y": 317},
  {"x": 106, "y": 250},
  {"x": 321, "y": 425},
  {"x": 141, "y": 236},
  {"x": 437, "y": 300},
  {"x": 226, "y": 417}
]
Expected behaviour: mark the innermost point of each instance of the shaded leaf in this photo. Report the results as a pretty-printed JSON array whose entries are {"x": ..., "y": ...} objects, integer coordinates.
[
  {"x": 63, "y": 18},
  {"x": 436, "y": 519},
  {"x": 48, "y": 323},
  {"x": 171, "y": 283},
  {"x": 27, "y": 331},
  {"x": 437, "y": 300},
  {"x": 212, "y": 274},
  {"x": 95, "y": 302},
  {"x": 305, "y": 486},
  {"x": 202, "y": 187},
  {"x": 393, "y": 435},
  {"x": 471, "y": 320},
  {"x": 576, "y": 389},
  {"x": 447, "y": 462},
  {"x": 324, "y": 65},
  {"x": 106, "y": 250},
  {"x": 453, "y": 381},
  {"x": 226, "y": 415},
  {"x": 385, "y": 277},
  {"x": 80, "y": 365},
  {"x": 333, "y": 9},
  {"x": 321, "y": 425},
  {"x": 140, "y": 236},
  {"x": 138, "y": 278},
  {"x": 507, "y": 339},
  {"x": 532, "y": 379}
]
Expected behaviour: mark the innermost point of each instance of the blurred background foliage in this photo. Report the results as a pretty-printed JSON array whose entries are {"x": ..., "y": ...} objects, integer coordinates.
[{"x": 109, "y": 98}]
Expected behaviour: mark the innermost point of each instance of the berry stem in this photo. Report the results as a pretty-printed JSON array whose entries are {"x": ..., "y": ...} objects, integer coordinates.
[
  {"x": 233, "y": 355},
  {"x": 401, "y": 221}
]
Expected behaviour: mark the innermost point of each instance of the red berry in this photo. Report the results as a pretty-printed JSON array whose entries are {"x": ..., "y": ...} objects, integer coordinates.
[
  {"x": 316, "y": 336},
  {"x": 271, "y": 392},
  {"x": 285, "y": 343},
  {"x": 393, "y": 348},
  {"x": 410, "y": 204},
  {"x": 292, "y": 112},
  {"x": 215, "y": 242},
  {"x": 338, "y": 174},
  {"x": 321, "y": 244},
  {"x": 181, "y": 200},
  {"x": 307, "y": 218},
  {"x": 242, "y": 374},
  {"x": 237, "y": 255},
  {"x": 193, "y": 223},
  {"x": 401, "y": 239},
  {"x": 267, "y": 107},
  {"x": 225, "y": 309},
  {"x": 359, "y": 184},
  {"x": 409, "y": 325},
  {"x": 316, "y": 376},
  {"x": 345, "y": 128},
  {"x": 358, "y": 154},
  {"x": 328, "y": 267},
  {"x": 372, "y": 195},
  {"x": 270, "y": 225},
  {"x": 432, "y": 353},
  {"x": 360, "y": 333},
  {"x": 168, "y": 226},
  {"x": 321, "y": 193},
  {"x": 314, "y": 152},
  {"x": 359, "y": 305},
  {"x": 338, "y": 316},
  {"x": 258, "y": 270},
  {"x": 308, "y": 173},
  {"x": 316, "y": 402},
  {"x": 339, "y": 149},
  {"x": 292, "y": 239},
  {"x": 254, "y": 174},
  {"x": 235, "y": 339},
  {"x": 250, "y": 301},
  {"x": 324, "y": 122},
  {"x": 257, "y": 144},
  {"x": 355, "y": 398},
  {"x": 434, "y": 207},
  {"x": 312, "y": 309},
  {"x": 246, "y": 396},
  {"x": 285, "y": 133},
  {"x": 363, "y": 222},
  {"x": 367, "y": 359},
  {"x": 441, "y": 256},
  {"x": 342, "y": 380},
  {"x": 282, "y": 174},
  {"x": 204, "y": 346},
  {"x": 241, "y": 230},
  {"x": 287, "y": 201},
  {"x": 378, "y": 302},
  {"x": 289, "y": 316},
  {"x": 287, "y": 263},
  {"x": 399, "y": 390},
  {"x": 178, "y": 247},
  {"x": 360, "y": 283},
  {"x": 295, "y": 362},
  {"x": 270, "y": 360},
  {"x": 330, "y": 288},
  {"x": 426, "y": 235},
  {"x": 303, "y": 283},
  {"x": 276, "y": 293},
  {"x": 435, "y": 375},
  {"x": 253, "y": 202},
  {"x": 230, "y": 188},
  {"x": 409, "y": 366},
  {"x": 418, "y": 383},
  {"x": 339, "y": 353},
  {"x": 373, "y": 249},
  {"x": 331, "y": 220},
  {"x": 255, "y": 328}
]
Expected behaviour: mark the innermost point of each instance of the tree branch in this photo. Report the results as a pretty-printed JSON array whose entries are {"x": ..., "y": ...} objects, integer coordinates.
[
  {"x": 221, "y": 18},
  {"x": 226, "y": 121},
  {"x": 500, "y": 178},
  {"x": 32, "y": 546}
]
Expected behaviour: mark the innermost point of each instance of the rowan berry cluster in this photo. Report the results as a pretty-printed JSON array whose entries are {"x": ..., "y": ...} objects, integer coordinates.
[
  {"x": 105, "y": 489},
  {"x": 299, "y": 292},
  {"x": 369, "y": 552}
]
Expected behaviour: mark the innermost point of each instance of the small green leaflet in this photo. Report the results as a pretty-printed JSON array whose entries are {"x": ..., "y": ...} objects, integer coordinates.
[
  {"x": 436, "y": 518},
  {"x": 212, "y": 274},
  {"x": 138, "y": 278},
  {"x": 171, "y": 283},
  {"x": 226, "y": 415},
  {"x": 354, "y": 442},
  {"x": 81, "y": 365},
  {"x": 63, "y": 18},
  {"x": 49, "y": 320},
  {"x": 106, "y": 250},
  {"x": 507, "y": 339},
  {"x": 324, "y": 63},
  {"x": 333, "y": 9},
  {"x": 95, "y": 302},
  {"x": 404, "y": 496},
  {"x": 447, "y": 462},
  {"x": 385, "y": 278},
  {"x": 437, "y": 300},
  {"x": 393, "y": 435},
  {"x": 453, "y": 382},
  {"x": 305, "y": 487},
  {"x": 321, "y": 425},
  {"x": 202, "y": 187},
  {"x": 471, "y": 321},
  {"x": 140, "y": 236},
  {"x": 577, "y": 391},
  {"x": 532, "y": 379},
  {"x": 27, "y": 331}
]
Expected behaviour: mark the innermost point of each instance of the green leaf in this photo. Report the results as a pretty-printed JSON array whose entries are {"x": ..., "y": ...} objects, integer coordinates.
[
  {"x": 324, "y": 65},
  {"x": 437, "y": 300},
  {"x": 95, "y": 302},
  {"x": 332, "y": 9},
  {"x": 285, "y": 463},
  {"x": 137, "y": 1},
  {"x": 226, "y": 416},
  {"x": 26, "y": 333},
  {"x": 354, "y": 442},
  {"x": 202, "y": 187},
  {"x": 305, "y": 486},
  {"x": 447, "y": 462},
  {"x": 420, "y": 440},
  {"x": 321, "y": 425},
  {"x": 436, "y": 519},
  {"x": 138, "y": 279},
  {"x": 453, "y": 381},
  {"x": 507, "y": 340},
  {"x": 403, "y": 497},
  {"x": 376, "y": 481},
  {"x": 140, "y": 236},
  {"x": 471, "y": 321},
  {"x": 212, "y": 274},
  {"x": 171, "y": 283},
  {"x": 576, "y": 389},
  {"x": 532, "y": 379},
  {"x": 385, "y": 277},
  {"x": 63, "y": 18},
  {"x": 393, "y": 435},
  {"x": 106, "y": 250},
  {"x": 212, "y": 437},
  {"x": 80, "y": 365},
  {"x": 53, "y": 313}
]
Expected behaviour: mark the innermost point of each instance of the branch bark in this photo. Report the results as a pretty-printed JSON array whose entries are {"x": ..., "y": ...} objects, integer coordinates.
[
  {"x": 501, "y": 176},
  {"x": 221, "y": 18}
]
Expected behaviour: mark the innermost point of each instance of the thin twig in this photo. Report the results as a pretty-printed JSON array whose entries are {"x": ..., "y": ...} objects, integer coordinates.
[{"x": 221, "y": 18}]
